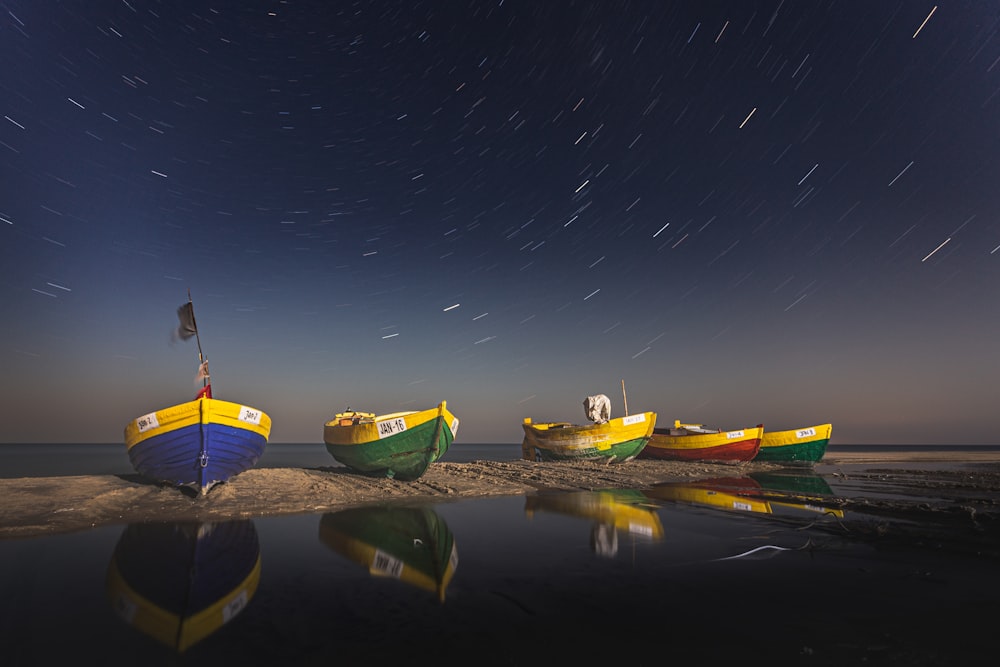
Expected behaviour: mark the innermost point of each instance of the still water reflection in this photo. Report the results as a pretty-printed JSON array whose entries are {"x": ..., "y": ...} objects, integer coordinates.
[
  {"x": 731, "y": 568},
  {"x": 180, "y": 582},
  {"x": 410, "y": 544},
  {"x": 611, "y": 512},
  {"x": 771, "y": 492}
]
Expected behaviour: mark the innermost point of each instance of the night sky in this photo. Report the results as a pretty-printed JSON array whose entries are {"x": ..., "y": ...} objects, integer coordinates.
[{"x": 783, "y": 212}]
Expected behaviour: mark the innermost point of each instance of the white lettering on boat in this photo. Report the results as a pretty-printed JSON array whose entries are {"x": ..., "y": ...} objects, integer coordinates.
[
  {"x": 235, "y": 606},
  {"x": 805, "y": 432},
  {"x": 739, "y": 505},
  {"x": 390, "y": 427},
  {"x": 634, "y": 419},
  {"x": 734, "y": 434},
  {"x": 385, "y": 564},
  {"x": 249, "y": 415},
  {"x": 147, "y": 422},
  {"x": 639, "y": 529}
]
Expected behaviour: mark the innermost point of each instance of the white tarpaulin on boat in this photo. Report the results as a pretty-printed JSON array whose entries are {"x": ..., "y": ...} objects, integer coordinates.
[{"x": 597, "y": 408}]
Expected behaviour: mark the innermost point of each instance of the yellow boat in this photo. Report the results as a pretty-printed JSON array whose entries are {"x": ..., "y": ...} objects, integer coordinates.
[{"x": 616, "y": 440}]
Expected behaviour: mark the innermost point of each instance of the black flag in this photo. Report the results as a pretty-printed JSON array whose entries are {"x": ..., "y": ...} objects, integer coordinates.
[{"x": 187, "y": 326}]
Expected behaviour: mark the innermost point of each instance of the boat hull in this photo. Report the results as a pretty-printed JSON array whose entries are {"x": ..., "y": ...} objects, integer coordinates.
[
  {"x": 738, "y": 445},
  {"x": 617, "y": 440},
  {"x": 802, "y": 445},
  {"x": 400, "y": 445},
  {"x": 197, "y": 444}
]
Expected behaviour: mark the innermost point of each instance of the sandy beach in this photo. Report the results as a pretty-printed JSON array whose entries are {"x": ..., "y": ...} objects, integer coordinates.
[{"x": 964, "y": 484}]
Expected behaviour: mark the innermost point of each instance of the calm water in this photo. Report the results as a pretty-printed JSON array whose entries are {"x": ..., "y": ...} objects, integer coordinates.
[{"x": 640, "y": 577}]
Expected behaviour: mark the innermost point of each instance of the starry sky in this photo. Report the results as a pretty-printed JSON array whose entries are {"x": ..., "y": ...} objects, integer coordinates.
[{"x": 754, "y": 211}]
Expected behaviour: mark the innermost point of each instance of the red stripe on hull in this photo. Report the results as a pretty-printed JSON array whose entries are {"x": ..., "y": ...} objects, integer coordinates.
[{"x": 741, "y": 450}]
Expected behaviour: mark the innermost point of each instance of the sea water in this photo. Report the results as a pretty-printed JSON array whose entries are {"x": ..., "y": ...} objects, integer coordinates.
[{"x": 56, "y": 460}]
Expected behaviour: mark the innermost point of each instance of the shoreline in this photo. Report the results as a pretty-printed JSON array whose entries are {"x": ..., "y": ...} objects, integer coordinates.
[{"x": 35, "y": 506}]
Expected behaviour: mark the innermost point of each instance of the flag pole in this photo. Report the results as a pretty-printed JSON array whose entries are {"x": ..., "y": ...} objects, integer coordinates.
[
  {"x": 194, "y": 322},
  {"x": 624, "y": 397}
]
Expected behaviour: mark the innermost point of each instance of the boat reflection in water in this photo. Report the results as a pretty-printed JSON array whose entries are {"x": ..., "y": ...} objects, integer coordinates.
[
  {"x": 787, "y": 492},
  {"x": 180, "y": 582},
  {"x": 411, "y": 544},
  {"x": 614, "y": 511}
]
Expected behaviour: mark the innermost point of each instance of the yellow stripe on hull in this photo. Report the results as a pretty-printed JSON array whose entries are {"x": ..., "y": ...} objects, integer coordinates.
[
  {"x": 201, "y": 410},
  {"x": 365, "y": 431},
  {"x": 796, "y": 436}
]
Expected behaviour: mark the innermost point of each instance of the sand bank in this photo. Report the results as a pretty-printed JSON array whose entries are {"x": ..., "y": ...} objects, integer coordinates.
[{"x": 46, "y": 505}]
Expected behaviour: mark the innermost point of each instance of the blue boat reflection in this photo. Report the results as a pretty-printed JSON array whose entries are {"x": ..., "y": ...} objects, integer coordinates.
[
  {"x": 785, "y": 491},
  {"x": 614, "y": 511},
  {"x": 411, "y": 544},
  {"x": 181, "y": 582}
]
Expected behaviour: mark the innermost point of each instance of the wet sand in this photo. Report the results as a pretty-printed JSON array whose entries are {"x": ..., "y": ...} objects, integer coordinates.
[{"x": 965, "y": 486}]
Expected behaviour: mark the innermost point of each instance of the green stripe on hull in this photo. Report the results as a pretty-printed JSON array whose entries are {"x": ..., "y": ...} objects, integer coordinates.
[
  {"x": 806, "y": 452},
  {"x": 404, "y": 456},
  {"x": 623, "y": 451}
]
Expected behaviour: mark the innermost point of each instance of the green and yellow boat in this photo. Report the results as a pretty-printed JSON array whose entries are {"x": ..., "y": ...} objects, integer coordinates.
[
  {"x": 801, "y": 445},
  {"x": 399, "y": 445},
  {"x": 616, "y": 440}
]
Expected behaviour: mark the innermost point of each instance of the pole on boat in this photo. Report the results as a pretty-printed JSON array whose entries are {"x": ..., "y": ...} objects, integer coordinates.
[
  {"x": 624, "y": 397},
  {"x": 194, "y": 323}
]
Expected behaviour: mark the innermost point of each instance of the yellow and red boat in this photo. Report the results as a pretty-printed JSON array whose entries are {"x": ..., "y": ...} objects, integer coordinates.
[{"x": 695, "y": 442}]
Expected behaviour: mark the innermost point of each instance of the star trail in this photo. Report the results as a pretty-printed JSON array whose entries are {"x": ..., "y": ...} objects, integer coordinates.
[{"x": 748, "y": 211}]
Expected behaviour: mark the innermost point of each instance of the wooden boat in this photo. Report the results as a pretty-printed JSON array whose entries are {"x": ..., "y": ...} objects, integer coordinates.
[
  {"x": 694, "y": 442},
  {"x": 411, "y": 544},
  {"x": 201, "y": 443},
  {"x": 180, "y": 582},
  {"x": 616, "y": 440},
  {"x": 801, "y": 445},
  {"x": 400, "y": 445},
  {"x": 612, "y": 512}
]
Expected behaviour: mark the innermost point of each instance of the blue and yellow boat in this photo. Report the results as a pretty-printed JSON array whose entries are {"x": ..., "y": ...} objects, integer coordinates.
[
  {"x": 200, "y": 443},
  {"x": 197, "y": 444}
]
